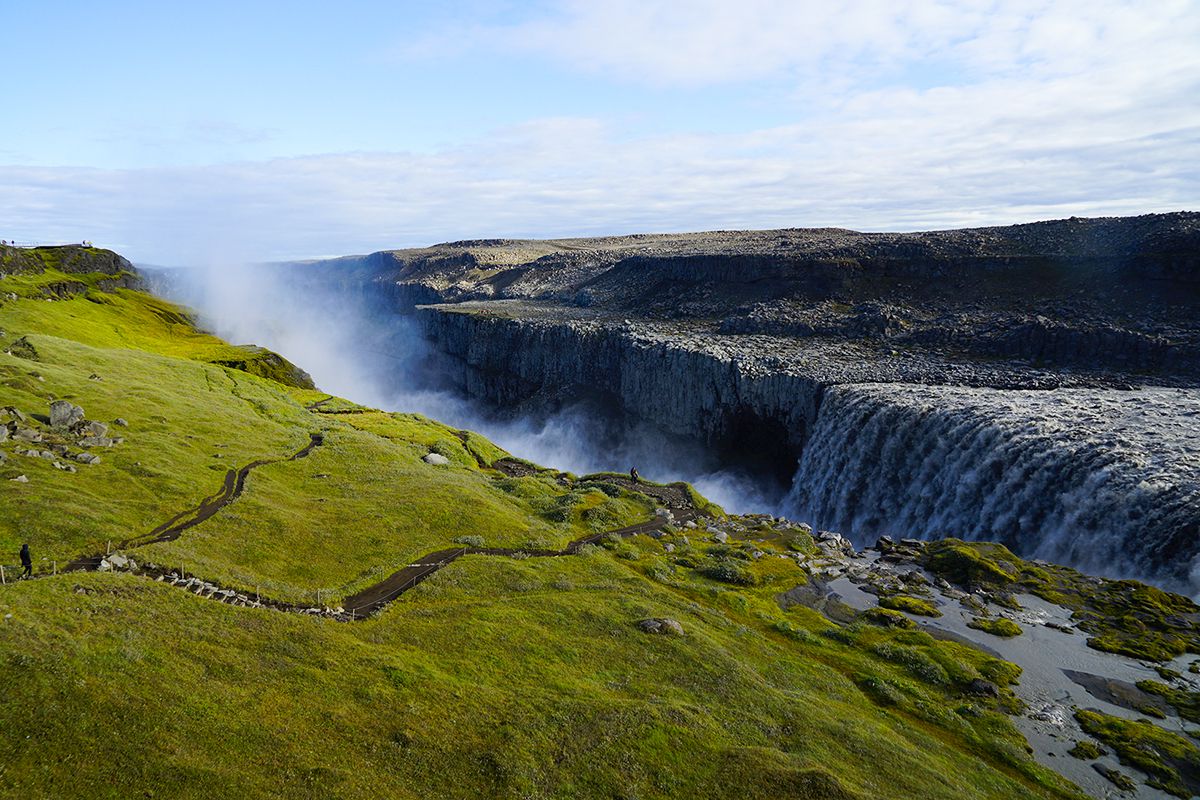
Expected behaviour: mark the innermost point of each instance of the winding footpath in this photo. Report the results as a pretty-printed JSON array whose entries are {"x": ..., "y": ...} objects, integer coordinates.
[
  {"x": 373, "y": 598},
  {"x": 678, "y": 509},
  {"x": 231, "y": 489}
]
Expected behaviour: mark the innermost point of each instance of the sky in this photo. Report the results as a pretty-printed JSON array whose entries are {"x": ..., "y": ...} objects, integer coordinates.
[{"x": 195, "y": 133}]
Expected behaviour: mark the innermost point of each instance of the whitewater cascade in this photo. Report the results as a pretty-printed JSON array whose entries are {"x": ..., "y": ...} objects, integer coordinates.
[{"x": 1107, "y": 481}]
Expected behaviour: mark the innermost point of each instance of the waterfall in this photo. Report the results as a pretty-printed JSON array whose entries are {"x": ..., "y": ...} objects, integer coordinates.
[{"x": 1107, "y": 481}]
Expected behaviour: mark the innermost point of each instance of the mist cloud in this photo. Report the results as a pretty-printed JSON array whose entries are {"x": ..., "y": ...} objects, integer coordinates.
[{"x": 357, "y": 347}]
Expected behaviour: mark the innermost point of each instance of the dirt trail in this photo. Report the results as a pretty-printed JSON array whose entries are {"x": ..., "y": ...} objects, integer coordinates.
[
  {"x": 677, "y": 508},
  {"x": 231, "y": 489},
  {"x": 375, "y": 597}
]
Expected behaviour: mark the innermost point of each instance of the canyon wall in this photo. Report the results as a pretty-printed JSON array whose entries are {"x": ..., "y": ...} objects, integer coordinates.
[{"x": 1034, "y": 384}]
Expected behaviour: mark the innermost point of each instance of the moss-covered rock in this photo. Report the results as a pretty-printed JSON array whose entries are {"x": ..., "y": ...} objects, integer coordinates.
[
  {"x": 1086, "y": 750},
  {"x": 267, "y": 364},
  {"x": 997, "y": 626},
  {"x": 1171, "y": 761},
  {"x": 1123, "y": 616},
  {"x": 974, "y": 564},
  {"x": 913, "y": 605},
  {"x": 1186, "y": 703},
  {"x": 887, "y": 618}
]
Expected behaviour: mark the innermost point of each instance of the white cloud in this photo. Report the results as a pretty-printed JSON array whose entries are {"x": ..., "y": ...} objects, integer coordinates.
[
  {"x": 699, "y": 42},
  {"x": 957, "y": 158},
  {"x": 1050, "y": 109}
]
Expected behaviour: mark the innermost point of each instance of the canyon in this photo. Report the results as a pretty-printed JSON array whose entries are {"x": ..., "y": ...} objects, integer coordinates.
[{"x": 1036, "y": 385}]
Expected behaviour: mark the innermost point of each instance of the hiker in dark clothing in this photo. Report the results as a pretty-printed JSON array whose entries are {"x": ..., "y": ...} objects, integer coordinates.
[
  {"x": 633, "y": 473},
  {"x": 26, "y": 562}
]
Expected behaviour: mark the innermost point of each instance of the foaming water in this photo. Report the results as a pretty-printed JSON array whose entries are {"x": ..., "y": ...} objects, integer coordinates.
[{"x": 1107, "y": 481}]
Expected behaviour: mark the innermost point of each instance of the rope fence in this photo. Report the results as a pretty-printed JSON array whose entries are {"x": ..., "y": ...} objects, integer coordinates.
[{"x": 10, "y": 573}]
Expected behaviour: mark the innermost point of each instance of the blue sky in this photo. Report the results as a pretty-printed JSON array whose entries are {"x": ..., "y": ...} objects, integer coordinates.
[{"x": 189, "y": 132}]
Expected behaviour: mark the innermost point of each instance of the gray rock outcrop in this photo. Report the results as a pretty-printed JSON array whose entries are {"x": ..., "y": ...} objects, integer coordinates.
[
  {"x": 93, "y": 429},
  {"x": 64, "y": 414},
  {"x": 664, "y": 626},
  {"x": 27, "y": 435}
]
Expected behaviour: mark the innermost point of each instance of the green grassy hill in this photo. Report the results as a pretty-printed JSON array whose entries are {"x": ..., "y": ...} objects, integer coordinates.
[{"x": 499, "y": 676}]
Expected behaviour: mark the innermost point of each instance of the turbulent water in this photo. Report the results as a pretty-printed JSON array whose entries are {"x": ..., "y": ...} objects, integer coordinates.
[{"x": 1108, "y": 481}]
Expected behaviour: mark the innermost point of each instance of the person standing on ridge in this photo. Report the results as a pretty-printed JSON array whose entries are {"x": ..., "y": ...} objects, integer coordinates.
[
  {"x": 633, "y": 473},
  {"x": 26, "y": 561}
]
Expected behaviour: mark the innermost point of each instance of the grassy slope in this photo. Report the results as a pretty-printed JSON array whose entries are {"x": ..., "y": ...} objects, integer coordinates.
[
  {"x": 494, "y": 678},
  {"x": 191, "y": 421},
  {"x": 502, "y": 677}
]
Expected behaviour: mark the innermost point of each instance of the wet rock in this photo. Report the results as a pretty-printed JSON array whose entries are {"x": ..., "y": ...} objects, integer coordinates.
[
  {"x": 1050, "y": 714},
  {"x": 64, "y": 414},
  {"x": 436, "y": 459},
  {"x": 664, "y": 626},
  {"x": 1116, "y": 777},
  {"x": 973, "y": 603}
]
